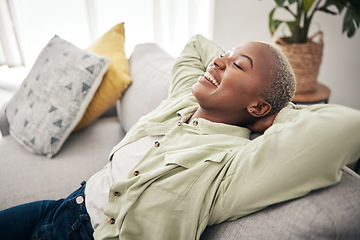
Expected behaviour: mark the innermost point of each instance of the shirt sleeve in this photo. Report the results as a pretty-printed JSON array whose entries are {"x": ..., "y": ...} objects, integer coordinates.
[
  {"x": 192, "y": 63},
  {"x": 303, "y": 150}
]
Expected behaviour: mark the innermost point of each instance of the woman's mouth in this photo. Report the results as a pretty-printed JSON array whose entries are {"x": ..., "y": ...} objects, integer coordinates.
[{"x": 211, "y": 79}]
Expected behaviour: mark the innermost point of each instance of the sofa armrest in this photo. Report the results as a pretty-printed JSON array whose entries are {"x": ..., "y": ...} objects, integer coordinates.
[
  {"x": 4, "y": 124},
  {"x": 328, "y": 213}
]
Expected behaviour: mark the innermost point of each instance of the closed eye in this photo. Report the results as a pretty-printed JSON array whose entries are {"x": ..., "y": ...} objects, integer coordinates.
[{"x": 238, "y": 67}]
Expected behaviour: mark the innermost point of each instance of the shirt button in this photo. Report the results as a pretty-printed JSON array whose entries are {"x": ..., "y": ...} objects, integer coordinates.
[
  {"x": 117, "y": 194},
  {"x": 157, "y": 144},
  {"x": 179, "y": 124},
  {"x": 195, "y": 122},
  {"x": 79, "y": 200},
  {"x": 112, "y": 221},
  {"x": 136, "y": 173}
]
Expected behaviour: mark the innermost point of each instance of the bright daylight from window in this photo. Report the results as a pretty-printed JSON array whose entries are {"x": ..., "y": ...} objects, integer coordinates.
[{"x": 81, "y": 22}]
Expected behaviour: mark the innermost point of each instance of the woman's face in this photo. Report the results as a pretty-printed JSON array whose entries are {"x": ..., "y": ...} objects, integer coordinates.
[{"x": 235, "y": 81}]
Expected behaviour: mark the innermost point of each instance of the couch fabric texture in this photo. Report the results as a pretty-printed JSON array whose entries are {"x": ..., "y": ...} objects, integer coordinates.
[{"x": 329, "y": 213}]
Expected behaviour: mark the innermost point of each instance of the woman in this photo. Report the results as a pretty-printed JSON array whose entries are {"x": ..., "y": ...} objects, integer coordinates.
[{"x": 190, "y": 163}]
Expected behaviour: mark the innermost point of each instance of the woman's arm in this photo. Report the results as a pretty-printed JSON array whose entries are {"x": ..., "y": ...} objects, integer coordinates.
[
  {"x": 302, "y": 151},
  {"x": 192, "y": 63}
]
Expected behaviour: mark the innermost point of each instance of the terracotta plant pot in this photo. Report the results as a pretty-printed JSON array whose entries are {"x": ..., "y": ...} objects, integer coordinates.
[{"x": 305, "y": 59}]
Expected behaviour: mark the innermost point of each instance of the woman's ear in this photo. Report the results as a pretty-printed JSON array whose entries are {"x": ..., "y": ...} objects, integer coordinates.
[{"x": 260, "y": 109}]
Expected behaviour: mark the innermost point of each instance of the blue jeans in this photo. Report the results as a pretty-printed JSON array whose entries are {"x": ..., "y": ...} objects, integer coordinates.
[{"x": 62, "y": 219}]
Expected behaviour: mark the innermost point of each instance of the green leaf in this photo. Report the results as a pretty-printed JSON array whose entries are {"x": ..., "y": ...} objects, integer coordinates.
[
  {"x": 291, "y": 1},
  {"x": 338, "y": 4},
  {"x": 355, "y": 13},
  {"x": 279, "y": 2},
  {"x": 277, "y": 24},
  {"x": 307, "y": 5},
  {"x": 289, "y": 10},
  {"x": 325, "y": 10},
  {"x": 355, "y": 5},
  {"x": 273, "y": 23},
  {"x": 348, "y": 24}
]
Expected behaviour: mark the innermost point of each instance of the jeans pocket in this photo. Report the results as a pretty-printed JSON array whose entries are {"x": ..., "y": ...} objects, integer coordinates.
[
  {"x": 81, "y": 229},
  {"x": 64, "y": 225},
  {"x": 57, "y": 225},
  {"x": 44, "y": 233}
]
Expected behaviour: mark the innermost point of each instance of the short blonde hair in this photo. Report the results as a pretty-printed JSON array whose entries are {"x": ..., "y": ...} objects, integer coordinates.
[{"x": 281, "y": 86}]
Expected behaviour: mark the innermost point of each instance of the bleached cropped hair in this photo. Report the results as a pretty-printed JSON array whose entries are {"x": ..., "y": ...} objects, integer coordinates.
[{"x": 282, "y": 85}]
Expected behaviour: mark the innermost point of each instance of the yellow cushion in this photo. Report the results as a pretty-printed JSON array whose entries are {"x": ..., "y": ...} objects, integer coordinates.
[{"x": 116, "y": 79}]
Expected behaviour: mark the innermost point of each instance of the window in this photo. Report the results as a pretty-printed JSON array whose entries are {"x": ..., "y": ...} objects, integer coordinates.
[{"x": 167, "y": 22}]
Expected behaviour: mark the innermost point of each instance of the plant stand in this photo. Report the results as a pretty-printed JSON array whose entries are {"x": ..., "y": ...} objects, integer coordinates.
[{"x": 320, "y": 95}]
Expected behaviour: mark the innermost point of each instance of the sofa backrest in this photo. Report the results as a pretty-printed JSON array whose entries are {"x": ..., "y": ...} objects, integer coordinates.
[
  {"x": 150, "y": 70},
  {"x": 4, "y": 124}
]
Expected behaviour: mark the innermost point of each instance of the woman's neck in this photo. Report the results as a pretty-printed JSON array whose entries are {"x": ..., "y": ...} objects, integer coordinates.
[{"x": 240, "y": 119}]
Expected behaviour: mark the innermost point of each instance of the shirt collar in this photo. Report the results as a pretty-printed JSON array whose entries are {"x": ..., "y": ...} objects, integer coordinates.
[
  {"x": 186, "y": 113},
  {"x": 208, "y": 127}
]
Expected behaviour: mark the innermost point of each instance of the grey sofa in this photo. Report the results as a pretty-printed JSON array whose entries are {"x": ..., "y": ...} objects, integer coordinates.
[{"x": 330, "y": 213}]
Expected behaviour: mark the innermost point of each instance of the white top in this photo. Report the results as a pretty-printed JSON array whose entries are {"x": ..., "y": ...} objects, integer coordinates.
[{"x": 123, "y": 162}]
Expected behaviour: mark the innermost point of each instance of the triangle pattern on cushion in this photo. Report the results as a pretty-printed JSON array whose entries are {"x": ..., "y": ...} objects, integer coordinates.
[
  {"x": 54, "y": 140},
  {"x": 54, "y": 96},
  {"x": 91, "y": 69},
  {"x": 52, "y": 108},
  {"x": 85, "y": 88},
  {"x": 69, "y": 86},
  {"x": 58, "y": 123}
]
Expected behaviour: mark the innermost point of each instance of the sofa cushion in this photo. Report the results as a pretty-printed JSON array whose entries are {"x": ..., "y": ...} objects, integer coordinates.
[
  {"x": 150, "y": 69},
  {"x": 116, "y": 78},
  {"x": 329, "y": 213},
  {"x": 4, "y": 124},
  {"x": 27, "y": 177},
  {"x": 54, "y": 96}
]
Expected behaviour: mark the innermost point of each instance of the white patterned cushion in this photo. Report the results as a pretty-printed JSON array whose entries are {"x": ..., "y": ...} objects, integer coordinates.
[{"x": 54, "y": 96}]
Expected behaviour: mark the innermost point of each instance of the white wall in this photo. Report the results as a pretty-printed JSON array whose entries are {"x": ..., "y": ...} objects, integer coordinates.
[{"x": 238, "y": 21}]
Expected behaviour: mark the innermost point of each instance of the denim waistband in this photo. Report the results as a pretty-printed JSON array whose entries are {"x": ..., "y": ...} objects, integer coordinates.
[
  {"x": 77, "y": 200},
  {"x": 69, "y": 217}
]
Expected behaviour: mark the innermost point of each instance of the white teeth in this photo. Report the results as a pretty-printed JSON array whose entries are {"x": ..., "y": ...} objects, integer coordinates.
[{"x": 211, "y": 79}]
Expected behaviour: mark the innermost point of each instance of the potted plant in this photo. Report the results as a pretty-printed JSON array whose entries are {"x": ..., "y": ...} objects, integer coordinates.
[{"x": 303, "y": 52}]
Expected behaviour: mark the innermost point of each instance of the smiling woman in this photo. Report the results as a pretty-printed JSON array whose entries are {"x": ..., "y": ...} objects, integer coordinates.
[{"x": 240, "y": 86}]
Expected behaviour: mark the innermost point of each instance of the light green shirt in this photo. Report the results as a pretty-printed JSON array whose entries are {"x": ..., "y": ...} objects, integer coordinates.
[{"x": 204, "y": 173}]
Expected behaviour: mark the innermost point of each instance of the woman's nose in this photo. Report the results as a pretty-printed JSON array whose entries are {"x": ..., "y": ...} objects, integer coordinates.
[{"x": 219, "y": 62}]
